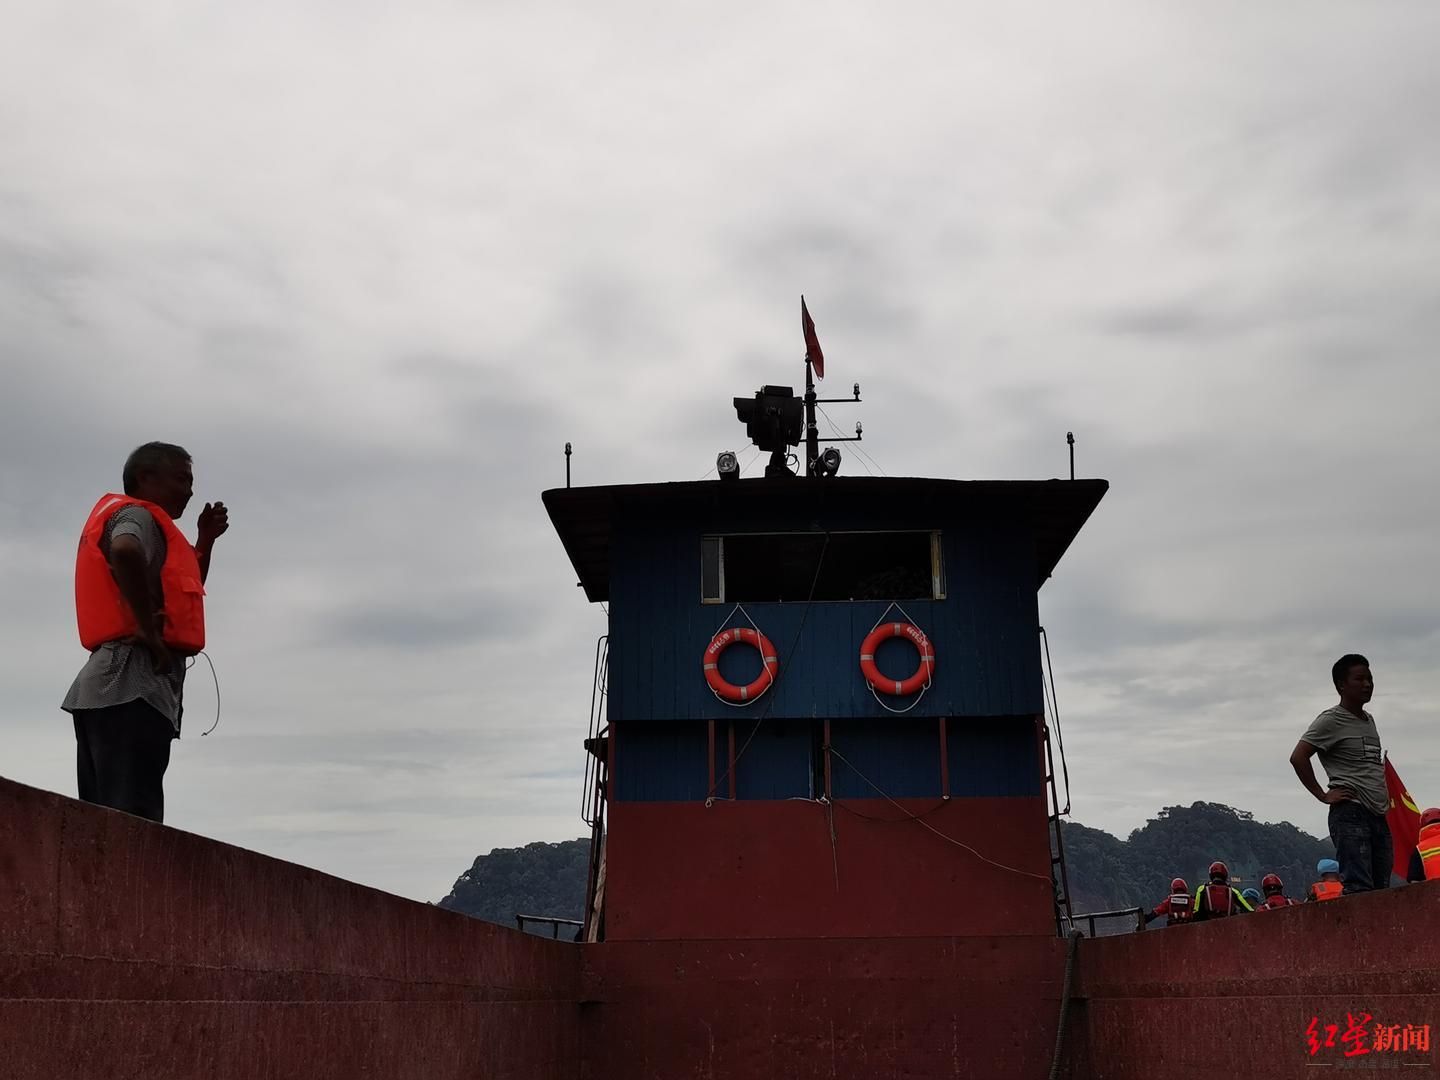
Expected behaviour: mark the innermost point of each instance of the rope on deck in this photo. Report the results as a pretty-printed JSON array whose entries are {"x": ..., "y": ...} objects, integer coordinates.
[{"x": 1075, "y": 936}]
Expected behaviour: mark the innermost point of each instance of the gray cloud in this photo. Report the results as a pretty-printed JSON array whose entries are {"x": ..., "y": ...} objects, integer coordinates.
[
  {"x": 1197, "y": 320},
  {"x": 374, "y": 268},
  {"x": 432, "y": 618}
]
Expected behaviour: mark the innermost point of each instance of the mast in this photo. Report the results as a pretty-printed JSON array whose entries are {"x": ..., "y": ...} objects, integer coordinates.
[{"x": 812, "y": 433}]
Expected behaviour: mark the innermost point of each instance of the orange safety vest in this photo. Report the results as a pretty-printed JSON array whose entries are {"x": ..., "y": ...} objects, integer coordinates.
[
  {"x": 1326, "y": 890},
  {"x": 103, "y": 614},
  {"x": 1429, "y": 846}
]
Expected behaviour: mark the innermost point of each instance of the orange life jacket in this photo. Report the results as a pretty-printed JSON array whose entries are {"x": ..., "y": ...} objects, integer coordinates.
[
  {"x": 1429, "y": 845},
  {"x": 102, "y": 612},
  {"x": 1326, "y": 890}
]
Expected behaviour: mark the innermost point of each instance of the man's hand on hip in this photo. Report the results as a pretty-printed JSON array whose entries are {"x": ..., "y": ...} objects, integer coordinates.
[{"x": 155, "y": 645}]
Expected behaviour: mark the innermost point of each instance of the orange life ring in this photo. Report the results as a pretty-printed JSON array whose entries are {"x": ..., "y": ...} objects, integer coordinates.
[
  {"x": 769, "y": 664},
  {"x": 899, "y": 687}
]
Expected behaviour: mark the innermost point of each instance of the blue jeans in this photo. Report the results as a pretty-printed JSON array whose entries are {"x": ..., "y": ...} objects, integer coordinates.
[{"x": 1362, "y": 846}]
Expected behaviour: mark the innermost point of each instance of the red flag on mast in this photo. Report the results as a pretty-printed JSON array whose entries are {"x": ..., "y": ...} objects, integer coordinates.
[
  {"x": 812, "y": 343},
  {"x": 1403, "y": 818}
]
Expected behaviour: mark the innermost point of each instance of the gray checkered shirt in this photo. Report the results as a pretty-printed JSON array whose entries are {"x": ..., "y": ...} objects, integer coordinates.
[{"x": 116, "y": 672}]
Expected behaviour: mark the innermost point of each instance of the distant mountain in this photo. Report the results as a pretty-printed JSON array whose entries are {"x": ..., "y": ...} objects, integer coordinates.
[
  {"x": 1182, "y": 841},
  {"x": 537, "y": 879},
  {"x": 1105, "y": 873}
]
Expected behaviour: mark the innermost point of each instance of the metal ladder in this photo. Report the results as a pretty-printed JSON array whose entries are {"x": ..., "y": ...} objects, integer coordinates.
[
  {"x": 593, "y": 792},
  {"x": 1059, "y": 877}
]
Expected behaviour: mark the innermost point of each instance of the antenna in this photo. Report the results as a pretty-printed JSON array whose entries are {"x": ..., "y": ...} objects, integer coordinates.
[
  {"x": 1070, "y": 439},
  {"x": 775, "y": 419},
  {"x": 815, "y": 365},
  {"x": 567, "y": 465}
]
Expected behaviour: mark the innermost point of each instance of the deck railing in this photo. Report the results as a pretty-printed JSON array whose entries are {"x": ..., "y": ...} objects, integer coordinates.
[
  {"x": 1134, "y": 919},
  {"x": 554, "y": 923}
]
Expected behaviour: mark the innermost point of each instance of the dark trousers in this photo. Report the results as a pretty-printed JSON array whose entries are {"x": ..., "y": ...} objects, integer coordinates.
[
  {"x": 121, "y": 754},
  {"x": 1363, "y": 847}
]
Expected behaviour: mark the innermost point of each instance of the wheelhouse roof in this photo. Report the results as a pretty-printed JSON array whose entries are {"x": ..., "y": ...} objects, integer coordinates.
[{"x": 585, "y": 517}]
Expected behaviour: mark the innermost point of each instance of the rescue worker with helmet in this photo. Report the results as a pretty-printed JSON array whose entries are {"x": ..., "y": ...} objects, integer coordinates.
[
  {"x": 1274, "y": 890},
  {"x": 1218, "y": 898},
  {"x": 139, "y": 604},
  {"x": 1176, "y": 908},
  {"x": 1252, "y": 897},
  {"x": 1329, "y": 887},
  {"x": 1425, "y": 859}
]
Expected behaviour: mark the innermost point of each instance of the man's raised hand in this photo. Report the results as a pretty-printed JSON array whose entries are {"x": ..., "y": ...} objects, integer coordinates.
[{"x": 213, "y": 521}]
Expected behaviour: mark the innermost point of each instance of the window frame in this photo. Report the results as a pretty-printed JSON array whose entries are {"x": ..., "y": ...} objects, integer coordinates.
[{"x": 937, "y": 561}]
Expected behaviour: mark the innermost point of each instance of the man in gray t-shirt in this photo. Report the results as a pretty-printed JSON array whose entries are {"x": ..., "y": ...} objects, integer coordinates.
[{"x": 1348, "y": 745}]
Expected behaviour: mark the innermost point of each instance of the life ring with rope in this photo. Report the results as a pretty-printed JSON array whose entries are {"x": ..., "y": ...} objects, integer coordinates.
[
  {"x": 898, "y": 687},
  {"x": 769, "y": 665}
]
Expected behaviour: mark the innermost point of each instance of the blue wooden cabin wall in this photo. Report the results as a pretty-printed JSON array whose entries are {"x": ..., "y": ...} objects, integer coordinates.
[
  {"x": 987, "y": 678},
  {"x": 665, "y": 761},
  {"x": 985, "y": 632}
]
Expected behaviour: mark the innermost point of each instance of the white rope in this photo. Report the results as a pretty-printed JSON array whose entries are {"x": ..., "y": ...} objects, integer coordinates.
[
  {"x": 754, "y": 456},
  {"x": 737, "y": 454},
  {"x": 919, "y": 820},
  {"x": 725, "y": 621},
  {"x": 898, "y": 712},
  {"x": 895, "y": 605},
  {"x": 191, "y": 663},
  {"x": 789, "y": 655},
  {"x": 929, "y": 678},
  {"x": 773, "y": 675},
  {"x": 857, "y": 447},
  {"x": 842, "y": 435}
]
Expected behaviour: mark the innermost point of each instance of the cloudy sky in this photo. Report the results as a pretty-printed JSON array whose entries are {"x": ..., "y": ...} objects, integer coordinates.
[{"x": 374, "y": 264}]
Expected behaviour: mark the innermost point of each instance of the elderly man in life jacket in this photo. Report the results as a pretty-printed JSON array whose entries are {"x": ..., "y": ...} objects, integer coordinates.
[
  {"x": 1218, "y": 898},
  {"x": 1425, "y": 859},
  {"x": 1175, "y": 908},
  {"x": 139, "y": 602}
]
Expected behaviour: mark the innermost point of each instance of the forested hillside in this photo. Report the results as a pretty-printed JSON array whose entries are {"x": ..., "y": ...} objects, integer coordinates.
[
  {"x": 1181, "y": 841},
  {"x": 537, "y": 879},
  {"x": 1105, "y": 872}
]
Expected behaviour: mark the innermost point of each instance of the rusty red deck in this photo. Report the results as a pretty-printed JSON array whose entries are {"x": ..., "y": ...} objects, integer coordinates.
[{"x": 129, "y": 949}]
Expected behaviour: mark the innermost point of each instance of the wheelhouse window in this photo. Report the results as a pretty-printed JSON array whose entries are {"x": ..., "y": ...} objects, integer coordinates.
[{"x": 790, "y": 567}]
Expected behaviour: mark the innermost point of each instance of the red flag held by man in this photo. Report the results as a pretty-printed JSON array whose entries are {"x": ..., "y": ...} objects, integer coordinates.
[
  {"x": 1403, "y": 818},
  {"x": 812, "y": 343}
]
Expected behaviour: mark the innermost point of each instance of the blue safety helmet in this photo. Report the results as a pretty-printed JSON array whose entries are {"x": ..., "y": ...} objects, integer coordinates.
[
  {"x": 1327, "y": 866},
  {"x": 1251, "y": 895}
]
